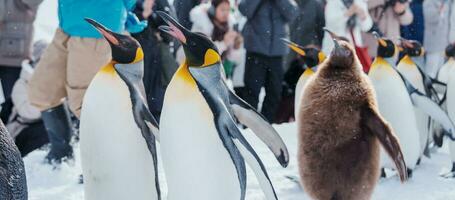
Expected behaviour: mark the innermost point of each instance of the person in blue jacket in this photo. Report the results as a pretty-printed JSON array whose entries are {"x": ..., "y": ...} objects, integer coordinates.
[{"x": 74, "y": 56}]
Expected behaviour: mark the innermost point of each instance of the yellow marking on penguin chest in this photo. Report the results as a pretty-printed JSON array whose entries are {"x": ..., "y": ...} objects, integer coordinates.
[
  {"x": 307, "y": 73},
  {"x": 108, "y": 69},
  {"x": 184, "y": 75},
  {"x": 380, "y": 64},
  {"x": 407, "y": 62}
]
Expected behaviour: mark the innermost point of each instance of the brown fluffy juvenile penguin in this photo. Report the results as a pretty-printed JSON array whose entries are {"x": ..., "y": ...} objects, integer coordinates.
[{"x": 340, "y": 130}]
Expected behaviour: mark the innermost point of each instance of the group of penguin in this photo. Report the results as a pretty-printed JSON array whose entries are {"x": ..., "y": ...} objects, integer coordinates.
[
  {"x": 343, "y": 116},
  {"x": 419, "y": 108}
]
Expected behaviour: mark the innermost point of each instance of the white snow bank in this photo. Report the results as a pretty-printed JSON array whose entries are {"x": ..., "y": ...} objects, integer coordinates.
[{"x": 45, "y": 183}]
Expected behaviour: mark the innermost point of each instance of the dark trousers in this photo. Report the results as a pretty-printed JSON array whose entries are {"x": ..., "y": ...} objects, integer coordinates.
[
  {"x": 34, "y": 136},
  {"x": 8, "y": 76},
  {"x": 263, "y": 71}
]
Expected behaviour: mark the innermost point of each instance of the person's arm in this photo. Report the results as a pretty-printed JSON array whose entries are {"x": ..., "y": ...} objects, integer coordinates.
[
  {"x": 288, "y": 9},
  {"x": 21, "y": 101},
  {"x": 405, "y": 16},
  {"x": 372, "y": 4},
  {"x": 129, "y": 4},
  {"x": 366, "y": 23},
  {"x": 249, "y": 7}
]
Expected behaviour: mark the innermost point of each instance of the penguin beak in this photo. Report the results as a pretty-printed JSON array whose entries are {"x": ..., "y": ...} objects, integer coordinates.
[
  {"x": 334, "y": 38},
  {"x": 174, "y": 28},
  {"x": 108, "y": 34},
  {"x": 381, "y": 41},
  {"x": 295, "y": 47}
]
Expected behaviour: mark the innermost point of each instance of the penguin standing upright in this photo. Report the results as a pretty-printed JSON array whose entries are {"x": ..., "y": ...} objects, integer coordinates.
[
  {"x": 117, "y": 131},
  {"x": 395, "y": 103},
  {"x": 312, "y": 57},
  {"x": 203, "y": 151},
  {"x": 13, "y": 182},
  {"x": 340, "y": 136},
  {"x": 448, "y": 70},
  {"x": 407, "y": 66}
]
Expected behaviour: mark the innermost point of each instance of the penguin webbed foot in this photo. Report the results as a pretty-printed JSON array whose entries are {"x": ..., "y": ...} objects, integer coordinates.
[
  {"x": 450, "y": 174},
  {"x": 438, "y": 140},
  {"x": 409, "y": 172}
]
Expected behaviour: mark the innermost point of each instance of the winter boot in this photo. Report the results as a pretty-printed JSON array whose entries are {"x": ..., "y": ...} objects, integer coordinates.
[{"x": 58, "y": 126}]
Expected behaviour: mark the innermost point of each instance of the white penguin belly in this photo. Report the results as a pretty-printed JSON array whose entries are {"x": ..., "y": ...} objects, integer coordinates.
[
  {"x": 396, "y": 107},
  {"x": 196, "y": 164},
  {"x": 299, "y": 90},
  {"x": 116, "y": 162},
  {"x": 413, "y": 75}
]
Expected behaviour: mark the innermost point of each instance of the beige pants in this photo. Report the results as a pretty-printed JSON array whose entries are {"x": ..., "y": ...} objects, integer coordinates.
[{"x": 66, "y": 69}]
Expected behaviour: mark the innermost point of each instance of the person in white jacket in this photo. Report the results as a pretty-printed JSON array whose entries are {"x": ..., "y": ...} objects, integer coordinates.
[
  {"x": 25, "y": 124},
  {"x": 337, "y": 15},
  {"x": 215, "y": 20}
]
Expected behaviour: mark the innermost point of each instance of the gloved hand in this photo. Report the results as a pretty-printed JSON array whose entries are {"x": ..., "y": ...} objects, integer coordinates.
[{"x": 133, "y": 24}]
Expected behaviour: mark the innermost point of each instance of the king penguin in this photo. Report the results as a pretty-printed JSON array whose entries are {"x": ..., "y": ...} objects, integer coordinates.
[
  {"x": 311, "y": 57},
  {"x": 203, "y": 151},
  {"x": 447, "y": 74},
  {"x": 340, "y": 138},
  {"x": 395, "y": 103},
  {"x": 409, "y": 67},
  {"x": 117, "y": 130},
  {"x": 13, "y": 182}
]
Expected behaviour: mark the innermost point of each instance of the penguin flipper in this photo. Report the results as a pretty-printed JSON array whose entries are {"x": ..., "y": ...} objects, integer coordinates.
[
  {"x": 253, "y": 160},
  {"x": 150, "y": 121},
  {"x": 249, "y": 117},
  {"x": 432, "y": 109},
  {"x": 373, "y": 123}
]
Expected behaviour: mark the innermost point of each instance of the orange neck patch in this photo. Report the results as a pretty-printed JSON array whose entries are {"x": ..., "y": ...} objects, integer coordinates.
[
  {"x": 183, "y": 74},
  {"x": 108, "y": 69},
  {"x": 407, "y": 60}
]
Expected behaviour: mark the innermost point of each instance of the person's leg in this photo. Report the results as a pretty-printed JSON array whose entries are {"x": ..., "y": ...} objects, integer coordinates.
[
  {"x": 273, "y": 87},
  {"x": 31, "y": 138},
  {"x": 254, "y": 78},
  {"x": 8, "y": 76},
  {"x": 47, "y": 93},
  {"x": 86, "y": 56}
]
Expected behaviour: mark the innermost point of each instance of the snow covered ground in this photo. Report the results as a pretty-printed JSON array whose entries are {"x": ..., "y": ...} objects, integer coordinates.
[{"x": 46, "y": 183}]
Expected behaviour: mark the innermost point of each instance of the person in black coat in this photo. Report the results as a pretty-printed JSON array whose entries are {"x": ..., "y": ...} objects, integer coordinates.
[
  {"x": 307, "y": 28},
  {"x": 159, "y": 63},
  {"x": 183, "y": 8},
  {"x": 266, "y": 24}
]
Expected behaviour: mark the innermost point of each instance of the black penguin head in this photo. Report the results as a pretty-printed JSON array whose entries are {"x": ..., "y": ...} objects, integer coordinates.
[
  {"x": 450, "y": 50},
  {"x": 199, "y": 49},
  {"x": 125, "y": 49},
  {"x": 412, "y": 48},
  {"x": 386, "y": 48},
  {"x": 343, "y": 54},
  {"x": 311, "y": 56}
]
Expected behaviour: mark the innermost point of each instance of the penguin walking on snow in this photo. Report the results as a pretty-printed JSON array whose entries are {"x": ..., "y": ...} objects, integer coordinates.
[
  {"x": 13, "y": 182},
  {"x": 312, "y": 57},
  {"x": 117, "y": 131},
  {"x": 203, "y": 151},
  {"x": 340, "y": 137},
  {"x": 398, "y": 111},
  {"x": 409, "y": 68},
  {"x": 447, "y": 75}
]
